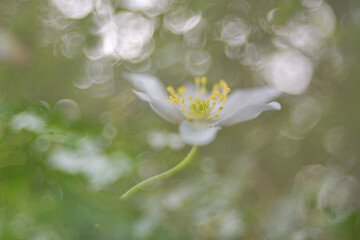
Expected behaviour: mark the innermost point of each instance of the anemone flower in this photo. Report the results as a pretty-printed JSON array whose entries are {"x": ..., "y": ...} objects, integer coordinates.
[{"x": 199, "y": 113}]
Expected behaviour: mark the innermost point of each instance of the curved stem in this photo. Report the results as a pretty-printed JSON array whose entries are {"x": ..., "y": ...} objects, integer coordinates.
[{"x": 163, "y": 175}]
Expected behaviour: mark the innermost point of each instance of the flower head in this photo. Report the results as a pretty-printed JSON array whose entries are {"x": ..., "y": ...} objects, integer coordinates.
[{"x": 201, "y": 112}]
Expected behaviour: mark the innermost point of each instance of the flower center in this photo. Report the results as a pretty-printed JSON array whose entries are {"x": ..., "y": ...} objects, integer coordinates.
[{"x": 199, "y": 103}]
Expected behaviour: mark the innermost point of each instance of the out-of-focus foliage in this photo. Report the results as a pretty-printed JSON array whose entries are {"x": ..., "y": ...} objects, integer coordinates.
[{"x": 74, "y": 137}]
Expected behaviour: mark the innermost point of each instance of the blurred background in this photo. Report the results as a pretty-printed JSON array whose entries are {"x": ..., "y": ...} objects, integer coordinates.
[{"x": 74, "y": 137}]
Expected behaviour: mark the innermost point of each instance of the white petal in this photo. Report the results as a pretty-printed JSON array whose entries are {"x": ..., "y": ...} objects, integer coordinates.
[
  {"x": 148, "y": 84},
  {"x": 142, "y": 96},
  {"x": 168, "y": 110},
  {"x": 197, "y": 132},
  {"x": 247, "y": 113},
  {"x": 242, "y": 98},
  {"x": 164, "y": 108}
]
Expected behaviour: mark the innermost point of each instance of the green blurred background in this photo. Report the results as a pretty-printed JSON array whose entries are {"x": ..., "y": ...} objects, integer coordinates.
[{"x": 74, "y": 137}]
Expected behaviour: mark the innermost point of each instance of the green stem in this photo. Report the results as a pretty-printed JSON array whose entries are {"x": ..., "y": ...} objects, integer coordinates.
[{"x": 163, "y": 175}]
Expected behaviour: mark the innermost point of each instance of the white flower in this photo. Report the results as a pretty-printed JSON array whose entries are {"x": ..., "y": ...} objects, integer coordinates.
[{"x": 199, "y": 112}]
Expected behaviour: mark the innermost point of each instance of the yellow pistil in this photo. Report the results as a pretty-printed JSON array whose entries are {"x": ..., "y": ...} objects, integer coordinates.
[
  {"x": 202, "y": 112},
  {"x": 209, "y": 117},
  {"x": 216, "y": 115},
  {"x": 221, "y": 108},
  {"x": 207, "y": 110},
  {"x": 182, "y": 110},
  {"x": 213, "y": 103},
  {"x": 228, "y": 90},
  {"x": 193, "y": 111},
  {"x": 199, "y": 116},
  {"x": 182, "y": 100},
  {"x": 190, "y": 117},
  {"x": 190, "y": 97},
  {"x": 207, "y": 101},
  {"x": 202, "y": 103},
  {"x": 176, "y": 100},
  {"x": 217, "y": 93},
  {"x": 197, "y": 102}
]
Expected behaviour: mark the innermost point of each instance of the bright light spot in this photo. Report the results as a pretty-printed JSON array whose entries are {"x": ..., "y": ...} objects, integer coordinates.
[
  {"x": 99, "y": 71},
  {"x": 160, "y": 139},
  {"x": 75, "y": 9},
  {"x": 196, "y": 37},
  {"x": 179, "y": 21},
  {"x": 289, "y": 71},
  {"x": 28, "y": 121},
  {"x": 309, "y": 178},
  {"x": 334, "y": 140},
  {"x": 311, "y": 3},
  {"x": 68, "y": 109},
  {"x": 125, "y": 36},
  {"x": 230, "y": 225},
  {"x": 324, "y": 19},
  {"x": 197, "y": 62},
  {"x": 306, "y": 114},
  {"x": 70, "y": 45},
  {"x": 339, "y": 197},
  {"x": 89, "y": 160},
  {"x": 149, "y": 7},
  {"x": 354, "y": 11},
  {"x": 235, "y": 32},
  {"x": 308, "y": 39}
]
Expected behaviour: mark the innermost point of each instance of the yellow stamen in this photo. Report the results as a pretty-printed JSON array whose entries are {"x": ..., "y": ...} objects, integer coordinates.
[
  {"x": 190, "y": 97},
  {"x": 202, "y": 112},
  {"x": 190, "y": 117},
  {"x": 207, "y": 100},
  {"x": 207, "y": 110},
  {"x": 197, "y": 102},
  {"x": 202, "y": 103},
  {"x": 216, "y": 115},
  {"x": 193, "y": 111},
  {"x": 181, "y": 90},
  {"x": 217, "y": 93},
  {"x": 203, "y": 80},
  {"x": 197, "y": 81},
  {"x": 215, "y": 88},
  {"x": 199, "y": 116},
  {"x": 221, "y": 108},
  {"x": 171, "y": 90},
  {"x": 213, "y": 103},
  {"x": 182, "y": 100},
  {"x": 182, "y": 110},
  {"x": 228, "y": 90},
  {"x": 210, "y": 117},
  {"x": 176, "y": 100}
]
